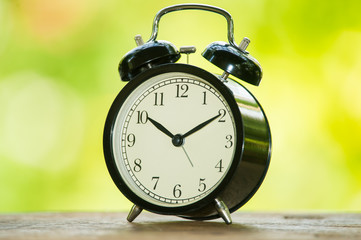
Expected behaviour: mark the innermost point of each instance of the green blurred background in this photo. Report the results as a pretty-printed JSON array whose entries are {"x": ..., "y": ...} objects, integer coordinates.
[{"x": 58, "y": 77}]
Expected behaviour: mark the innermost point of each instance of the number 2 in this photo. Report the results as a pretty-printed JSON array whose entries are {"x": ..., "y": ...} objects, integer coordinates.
[{"x": 222, "y": 112}]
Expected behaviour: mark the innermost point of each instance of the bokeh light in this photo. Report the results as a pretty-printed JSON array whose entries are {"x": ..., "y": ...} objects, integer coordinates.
[{"x": 58, "y": 78}]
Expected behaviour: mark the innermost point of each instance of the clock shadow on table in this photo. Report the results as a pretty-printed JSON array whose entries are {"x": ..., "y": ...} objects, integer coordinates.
[{"x": 199, "y": 227}]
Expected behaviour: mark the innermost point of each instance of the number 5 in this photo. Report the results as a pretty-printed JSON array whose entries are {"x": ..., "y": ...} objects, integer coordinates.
[{"x": 202, "y": 185}]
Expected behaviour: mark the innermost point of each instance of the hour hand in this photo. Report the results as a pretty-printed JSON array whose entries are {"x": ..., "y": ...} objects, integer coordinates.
[{"x": 161, "y": 127}]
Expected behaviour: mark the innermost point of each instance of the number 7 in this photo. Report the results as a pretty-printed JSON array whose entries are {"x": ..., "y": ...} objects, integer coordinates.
[{"x": 156, "y": 182}]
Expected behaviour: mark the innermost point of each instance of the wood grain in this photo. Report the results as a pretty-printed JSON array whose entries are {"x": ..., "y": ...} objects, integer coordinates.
[{"x": 152, "y": 226}]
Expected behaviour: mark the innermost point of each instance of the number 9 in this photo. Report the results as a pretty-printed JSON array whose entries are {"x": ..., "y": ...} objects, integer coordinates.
[{"x": 131, "y": 140}]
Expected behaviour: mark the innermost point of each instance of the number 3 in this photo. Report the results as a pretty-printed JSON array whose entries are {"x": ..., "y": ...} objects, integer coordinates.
[{"x": 229, "y": 141}]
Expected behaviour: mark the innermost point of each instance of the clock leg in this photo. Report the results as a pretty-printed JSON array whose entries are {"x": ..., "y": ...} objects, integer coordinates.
[
  {"x": 223, "y": 210},
  {"x": 134, "y": 212}
]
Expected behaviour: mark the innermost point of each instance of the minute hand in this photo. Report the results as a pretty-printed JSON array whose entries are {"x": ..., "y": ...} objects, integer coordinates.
[{"x": 200, "y": 126}]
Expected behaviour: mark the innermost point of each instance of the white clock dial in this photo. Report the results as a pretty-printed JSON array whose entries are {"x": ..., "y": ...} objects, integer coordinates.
[{"x": 174, "y": 139}]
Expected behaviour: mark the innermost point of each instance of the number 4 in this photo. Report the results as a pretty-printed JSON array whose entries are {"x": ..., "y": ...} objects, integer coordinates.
[{"x": 219, "y": 165}]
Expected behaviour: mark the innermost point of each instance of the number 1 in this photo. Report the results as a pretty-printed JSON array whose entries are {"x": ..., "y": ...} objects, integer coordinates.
[{"x": 204, "y": 98}]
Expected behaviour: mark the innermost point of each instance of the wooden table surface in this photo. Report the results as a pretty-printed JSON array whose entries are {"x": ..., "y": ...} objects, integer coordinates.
[{"x": 152, "y": 226}]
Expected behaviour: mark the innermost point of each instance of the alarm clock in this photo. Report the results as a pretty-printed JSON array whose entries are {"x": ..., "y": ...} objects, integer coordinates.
[{"x": 179, "y": 140}]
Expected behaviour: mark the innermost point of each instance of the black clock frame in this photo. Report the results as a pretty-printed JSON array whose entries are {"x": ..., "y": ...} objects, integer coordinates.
[{"x": 109, "y": 128}]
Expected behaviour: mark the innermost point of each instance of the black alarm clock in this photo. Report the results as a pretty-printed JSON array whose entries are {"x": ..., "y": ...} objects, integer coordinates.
[{"x": 179, "y": 140}]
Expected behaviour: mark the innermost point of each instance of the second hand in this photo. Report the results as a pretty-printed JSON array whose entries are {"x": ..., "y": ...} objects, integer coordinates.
[{"x": 187, "y": 155}]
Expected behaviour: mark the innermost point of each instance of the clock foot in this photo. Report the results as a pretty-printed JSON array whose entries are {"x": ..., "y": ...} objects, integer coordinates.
[
  {"x": 223, "y": 210},
  {"x": 134, "y": 212}
]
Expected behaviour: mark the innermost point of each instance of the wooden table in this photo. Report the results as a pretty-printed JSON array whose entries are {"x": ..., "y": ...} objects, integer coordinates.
[{"x": 245, "y": 226}]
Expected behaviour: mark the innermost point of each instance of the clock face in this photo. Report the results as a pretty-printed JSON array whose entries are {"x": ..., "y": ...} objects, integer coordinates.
[{"x": 173, "y": 139}]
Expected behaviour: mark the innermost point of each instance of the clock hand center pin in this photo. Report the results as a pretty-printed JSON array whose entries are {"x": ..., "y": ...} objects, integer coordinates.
[{"x": 177, "y": 140}]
